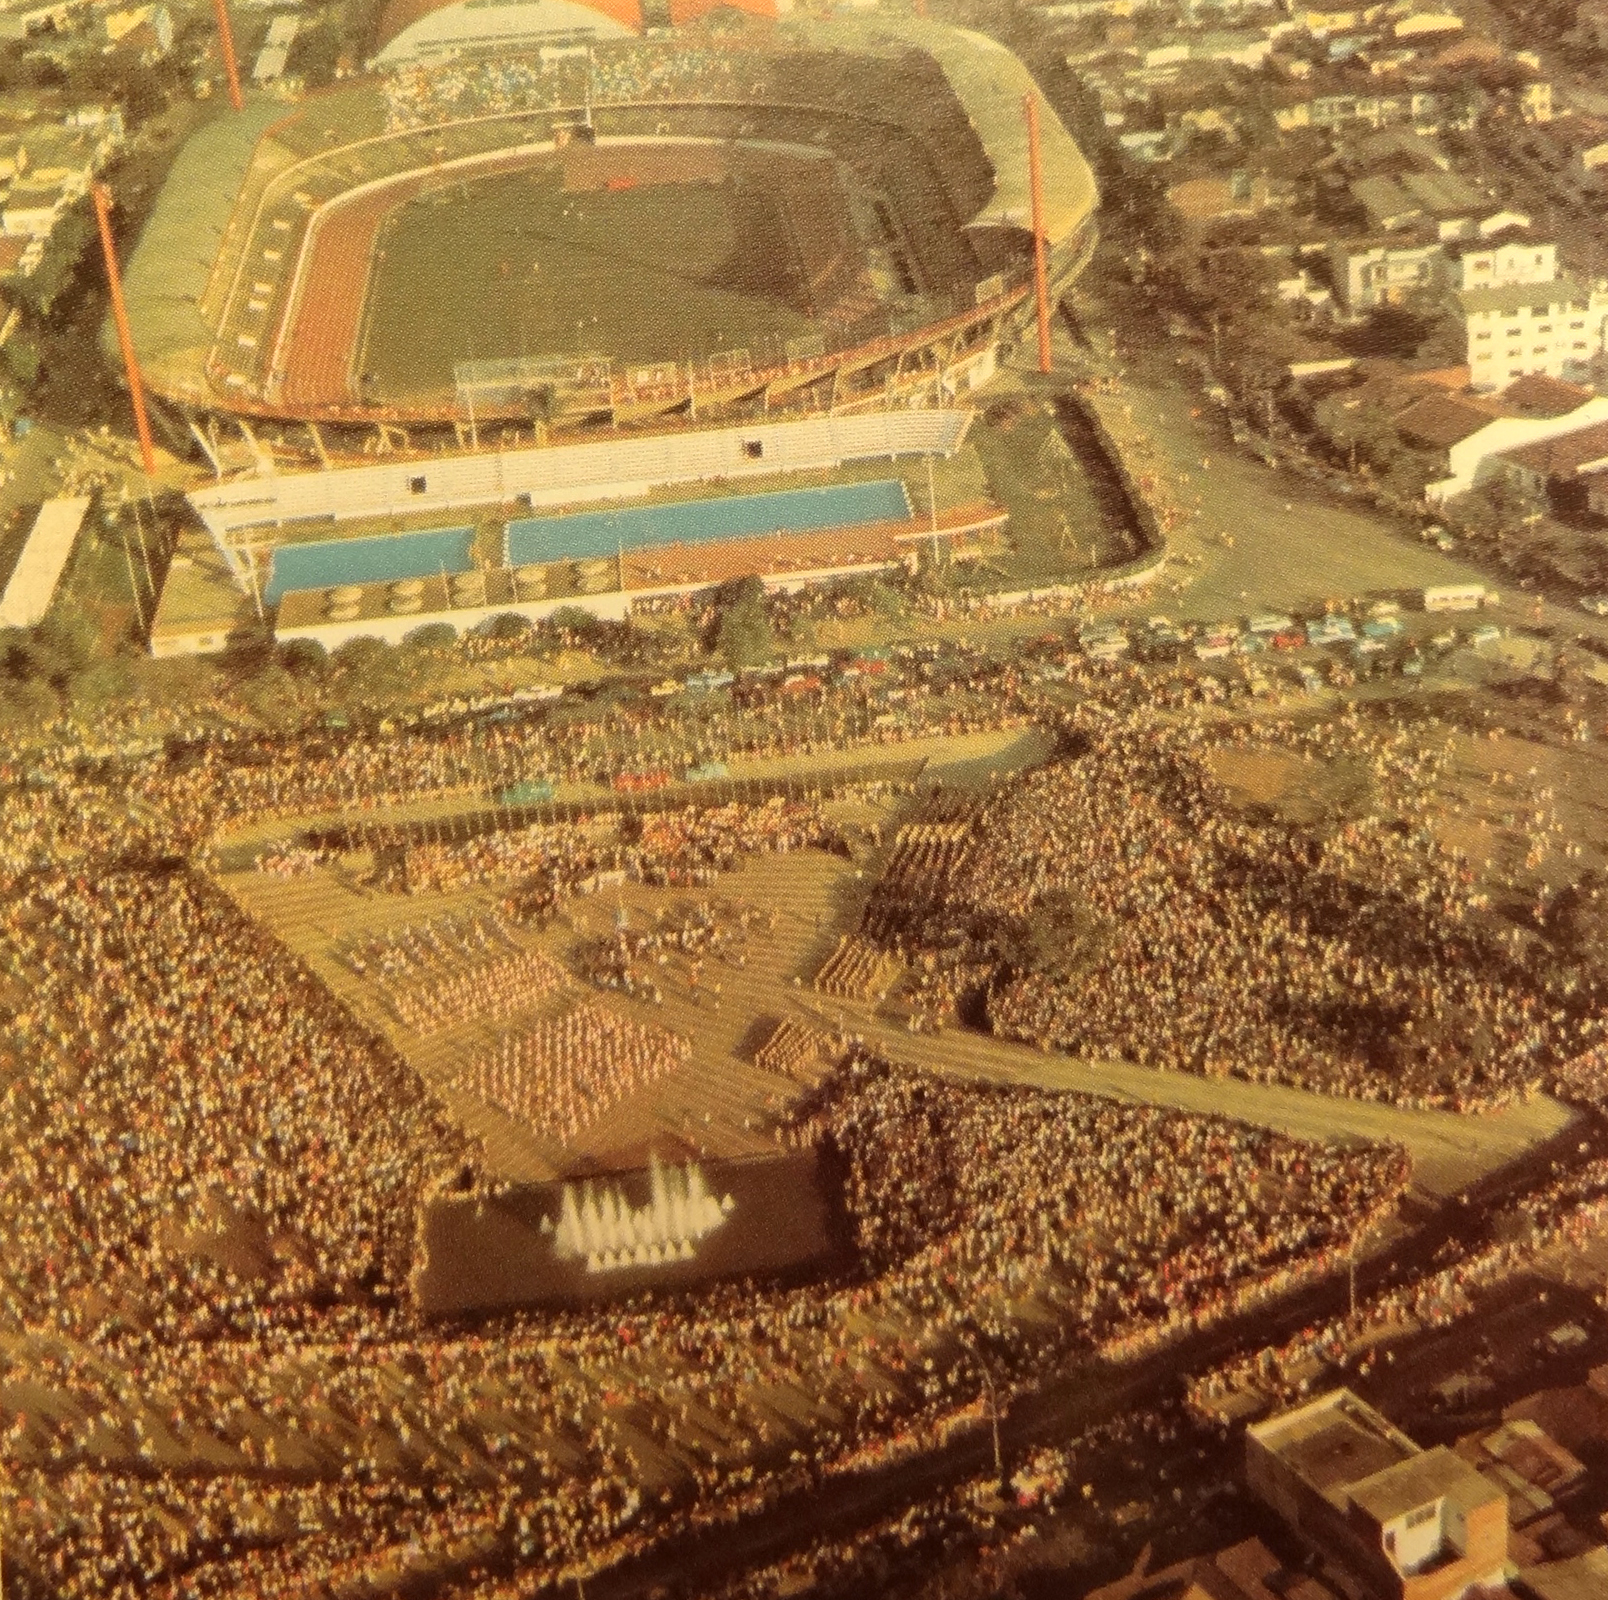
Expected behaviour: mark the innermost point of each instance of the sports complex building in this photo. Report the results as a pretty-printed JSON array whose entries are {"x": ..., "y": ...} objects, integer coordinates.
[
  {"x": 382, "y": 550},
  {"x": 532, "y": 218}
]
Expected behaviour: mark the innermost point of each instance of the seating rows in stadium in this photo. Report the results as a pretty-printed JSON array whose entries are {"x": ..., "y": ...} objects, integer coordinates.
[
  {"x": 295, "y": 172},
  {"x": 573, "y": 474}
]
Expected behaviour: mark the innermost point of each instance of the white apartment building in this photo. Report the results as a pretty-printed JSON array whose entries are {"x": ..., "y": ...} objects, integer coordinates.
[
  {"x": 1552, "y": 328},
  {"x": 1519, "y": 316},
  {"x": 1509, "y": 258}
]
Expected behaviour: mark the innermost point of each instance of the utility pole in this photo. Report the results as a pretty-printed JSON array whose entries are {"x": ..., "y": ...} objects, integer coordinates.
[
  {"x": 102, "y": 197},
  {"x": 1040, "y": 278},
  {"x": 231, "y": 69}
]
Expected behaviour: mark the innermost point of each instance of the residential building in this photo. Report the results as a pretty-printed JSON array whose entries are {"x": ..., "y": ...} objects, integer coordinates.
[
  {"x": 1532, "y": 1469},
  {"x": 28, "y": 19},
  {"x": 1388, "y": 204},
  {"x": 1594, "y": 155},
  {"x": 1535, "y": 101},
  {"x": 1472, "y": 457},
  {"x": 1555, "y": 328},
  {"x": 1336, "y": 112},
  {"x": 1500, "y": 260},
  {"x": 1393, "y": 1521},
  {"x": 1370, "y": 273},
  {"x": 1421, "y": 24},
  {"x": 1552, "y": 469},
  {"x": 1248, "y": 1571}
]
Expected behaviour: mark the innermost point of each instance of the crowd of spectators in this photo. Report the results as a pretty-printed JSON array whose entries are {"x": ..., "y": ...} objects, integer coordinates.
[
  {"x": 1122, "y": 905},
  {"x": 423, "y": 98},
  {"x": 388, "y": 1445},
  {"x": 188, "y": 1079},
  {"x": 215, "y": 1172},
  {"x": 621, "y": 72}
]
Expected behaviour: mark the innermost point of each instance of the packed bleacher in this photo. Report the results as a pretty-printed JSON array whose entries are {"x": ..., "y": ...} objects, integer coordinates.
[{"x": 1119, "y": 906}]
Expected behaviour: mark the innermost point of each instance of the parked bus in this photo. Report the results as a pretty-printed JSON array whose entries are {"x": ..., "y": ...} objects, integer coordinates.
[{"x": 1455, "y": 597}]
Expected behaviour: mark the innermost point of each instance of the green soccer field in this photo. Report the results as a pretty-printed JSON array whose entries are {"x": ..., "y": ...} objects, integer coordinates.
[{"x": 513, "y": 266}]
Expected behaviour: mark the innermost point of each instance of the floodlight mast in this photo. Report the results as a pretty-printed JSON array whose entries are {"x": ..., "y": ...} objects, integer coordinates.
[
  {"x": 1040, "y": 281},
  {"x": 231, "y": 68},
  {"x": 102, "y": 197}
]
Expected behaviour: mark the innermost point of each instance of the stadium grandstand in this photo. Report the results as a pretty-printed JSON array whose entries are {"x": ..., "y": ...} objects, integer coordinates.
[
  {"x": 382, "y": 549},
  {"x": 425, "y": 31},
  {"x": 418, "y": 32},
  {"x": 819, "y": 216}
]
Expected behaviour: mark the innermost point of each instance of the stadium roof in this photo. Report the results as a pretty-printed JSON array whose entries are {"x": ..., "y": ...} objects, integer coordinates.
[
  {"x": 165, "y": 277},
  {"x": 33, "y": 580},
  {"x": 990, "y": 83},
  {"x": 682, "y": 11},
  {"x": 412, "y": 29}
]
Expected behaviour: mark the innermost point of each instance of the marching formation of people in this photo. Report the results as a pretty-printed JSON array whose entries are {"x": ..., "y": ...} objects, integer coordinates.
[
  {"x": 684, "y": 847},
  {"x": 560, "y": 1074}
]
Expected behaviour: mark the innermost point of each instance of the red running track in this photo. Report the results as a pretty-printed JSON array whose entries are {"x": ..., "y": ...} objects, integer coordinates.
[{"x": 328, "y": 315}]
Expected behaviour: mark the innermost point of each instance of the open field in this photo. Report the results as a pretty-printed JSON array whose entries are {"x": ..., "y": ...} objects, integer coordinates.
[
  {"x": 516, "y": 265},
  {"x": 715, "y": 1104}
]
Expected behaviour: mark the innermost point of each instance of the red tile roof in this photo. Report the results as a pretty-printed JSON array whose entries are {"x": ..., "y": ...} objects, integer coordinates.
[{"x": 1565, "y": 456}]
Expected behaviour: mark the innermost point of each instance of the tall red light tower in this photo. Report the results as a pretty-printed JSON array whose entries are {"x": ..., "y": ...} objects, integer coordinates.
[
  {"x": 102, "y": 197},
  {"x": 226, "y": 40},
  {"x": 1041, "y": 284}
]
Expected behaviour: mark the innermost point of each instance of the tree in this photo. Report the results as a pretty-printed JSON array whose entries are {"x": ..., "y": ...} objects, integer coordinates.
[
  {"x": 743, "y": 634},
  {"x": 369, "y": 669},
  {"x": 44, "y": 287},
  {"x": 1578, "y": 918},
  {"x": 1060, "y": 937},
  {"x": 434, "y": 638},
  {"x": 506, "y": 626},
  {"x": 304, "y": 658},
  {"x": 22, "y": 361}
]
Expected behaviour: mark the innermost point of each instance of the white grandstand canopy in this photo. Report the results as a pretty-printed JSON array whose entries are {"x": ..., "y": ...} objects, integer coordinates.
[
  {"x": 483, "y": 25},
  {"x": 990, "y": 83},
  {"x": 242, "y": 512},
  {"x": 39, "y": 568}
]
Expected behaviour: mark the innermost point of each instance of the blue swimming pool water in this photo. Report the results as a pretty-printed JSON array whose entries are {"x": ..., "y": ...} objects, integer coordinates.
[
  {"x": 380, "y": 560},
  {"x": 604, "y": 533}
]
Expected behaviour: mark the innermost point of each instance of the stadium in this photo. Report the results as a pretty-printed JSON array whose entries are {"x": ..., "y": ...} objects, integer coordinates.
[
  {"x": 546, "y": 265},
  {"x": 530, "y": 216}
]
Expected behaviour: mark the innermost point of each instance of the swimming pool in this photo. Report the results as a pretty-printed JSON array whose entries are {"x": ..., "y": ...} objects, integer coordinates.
[
  {"x": 379, "y": 560},
  {"x": 606, "y": 533}
]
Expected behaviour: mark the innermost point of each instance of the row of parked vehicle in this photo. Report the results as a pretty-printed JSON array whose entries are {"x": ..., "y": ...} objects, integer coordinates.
[{"x": 1160, "y": 639}]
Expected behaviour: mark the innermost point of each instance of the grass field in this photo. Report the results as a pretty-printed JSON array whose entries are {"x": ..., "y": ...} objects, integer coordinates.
[{"x": 514, "y": 265}]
